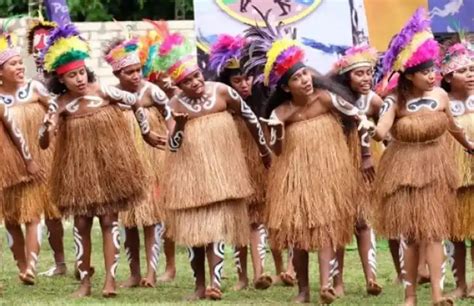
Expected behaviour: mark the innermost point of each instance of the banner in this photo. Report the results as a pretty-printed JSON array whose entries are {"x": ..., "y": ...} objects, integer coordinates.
[
  {"x": 326, "y": 27},
  {"x": 57, "y": 11}
]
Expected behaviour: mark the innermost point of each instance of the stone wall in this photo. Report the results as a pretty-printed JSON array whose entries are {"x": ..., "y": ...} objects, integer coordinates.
[{"x": 98, "y": 33}]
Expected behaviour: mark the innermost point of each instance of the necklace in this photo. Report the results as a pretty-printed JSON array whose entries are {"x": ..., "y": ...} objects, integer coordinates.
[{"x": 196, "y": 105}]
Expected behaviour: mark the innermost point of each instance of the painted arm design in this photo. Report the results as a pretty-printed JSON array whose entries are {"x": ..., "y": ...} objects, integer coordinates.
[
  {"x": 16, "y": 135},
  {"x": 458, "y": 132},
  {"x": 178, "y": 123},
  {"x": 277, "y": 132},
  {"x": 251, "y": 120},
  {"x": 161, "y": 101},
  {"x": 129, "y": 99},
  {"x": 386, "y": 119},
  {"x": 352, "y": 111},
  {"x": 49, "y": 124}
]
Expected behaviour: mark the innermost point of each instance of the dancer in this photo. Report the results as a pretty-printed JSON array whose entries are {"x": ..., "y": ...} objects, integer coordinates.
[
  {"x": 415, "y": 183},
  {"x": 96, "y": 171},
  {"x": 458, "y": 80},
  {"x": 208, "y": 163},
  {"x": 18, "y": 170},
  {"x": 37, "y": 36},
  {"x": 122, "y": 55},
  {"x": 24, "y": 203},
  {"x": 224, "y": 58},
  {"x": 312, "y": 183},
  {"x": 150, "y": 44},
  {"x": 354, "y": 71}
]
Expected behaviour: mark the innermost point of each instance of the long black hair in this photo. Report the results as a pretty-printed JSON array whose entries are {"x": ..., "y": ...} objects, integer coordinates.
[
  {"x": 259, "y": 93},
  {"x": 445, "y": 84},
  {"x": 56, "y": 87},
  {"x": 279, "y": 96}
]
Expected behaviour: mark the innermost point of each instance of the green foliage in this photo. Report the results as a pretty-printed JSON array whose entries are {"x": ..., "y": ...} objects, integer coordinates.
[{"x": 104, "y": 10}]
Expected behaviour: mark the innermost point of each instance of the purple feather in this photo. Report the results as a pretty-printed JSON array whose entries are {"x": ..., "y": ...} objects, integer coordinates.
[
  {"x": 224, "y": 49},
  {"x": 62, "y": 31},
  {"x": 418, "y": 22}
]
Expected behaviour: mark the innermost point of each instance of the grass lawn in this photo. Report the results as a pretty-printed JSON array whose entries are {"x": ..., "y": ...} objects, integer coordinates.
[{"x": 56, "y": 291}]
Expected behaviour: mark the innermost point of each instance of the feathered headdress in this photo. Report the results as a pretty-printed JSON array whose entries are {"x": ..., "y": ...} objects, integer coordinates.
[
  {"x": 8, "y": 41},
  {"x": 355, "y": 57},
  {"x": 176, "y": 57},
  {"x": 274, "y": 48},
  {"x": 36, "y": 25},
  {"x": 65, "y": 50},
  {"x": 456, "y": 57},
  {"x": 122, "y": 53},
  {"x": 413, "y": 46},
  {"x": 149, "y": 45},
  {"x": 225, "y": 53}
]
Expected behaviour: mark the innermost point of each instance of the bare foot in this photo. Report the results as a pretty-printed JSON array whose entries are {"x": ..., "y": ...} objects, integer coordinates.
[
  {"x": 168, "y": 276},
  {"x": 327, "y": 296},
  {"x": 198, "y": 294},
  {"x": 263, "y": 282},
  {"x": 458, "y": 293},
  {"x": 83, "y": 291},
  {"x": 148, "y": 282},
  {"x": 444, "y": 302},
  {"x": 288, "y": 279},
  {"x": 213, "y": 293},
  {"x": 109, "y": 290},
  {"x": 302, "y": 297},
  {"x": 373, "y": 288},
  {"x": 241, "y": 285},
  {"x": 470, "y": 294},
  {"x": 57, "y": 270},
  {"x": 339, "y": 290},
  {"x": 131, "y": 282},
  {"x": 28, "y": 278}
]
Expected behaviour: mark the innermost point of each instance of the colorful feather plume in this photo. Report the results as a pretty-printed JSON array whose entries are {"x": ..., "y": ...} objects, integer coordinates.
[
  {"x": 226, "y": 53},
  {"x": 406, "y": 44},
  {"x": 271, "y": 51},
  {"x": 357, "y": 56},
  {"x": 456, "y": 57},
  {"x": 123, "y": 53},
  {"x": 64, "y": 45}
]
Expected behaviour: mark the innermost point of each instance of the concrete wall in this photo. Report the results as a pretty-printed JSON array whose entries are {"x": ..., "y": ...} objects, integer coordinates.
[{"x": 98, "y": 33}]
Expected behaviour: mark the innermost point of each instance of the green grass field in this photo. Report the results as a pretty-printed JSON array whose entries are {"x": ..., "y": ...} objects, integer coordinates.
[{"x": 56, "y": 291}]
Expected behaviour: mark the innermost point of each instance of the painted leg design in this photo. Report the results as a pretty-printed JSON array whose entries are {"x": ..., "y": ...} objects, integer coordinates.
[
  {"x": 111, "y": 247},
  {"x": 197, "y": 257},
  {"x": 55, "y": 239},
  {"x": 216, "y": 264},
  {"x": 240, "y": 260},
  {"x": 82, "y": 243},
  {"x": 258, "y": 242}
]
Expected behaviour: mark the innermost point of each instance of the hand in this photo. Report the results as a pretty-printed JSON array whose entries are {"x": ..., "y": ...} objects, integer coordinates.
[
  {"x": 155, "y": 140},
  {"x": 49, "y": 122},
  {"x": 367, "y": 125},
  {"x": 368, "y": 170},
  {"x": 35, "y": 171},
  {"x": 180, "y": 118},
  {"x": 266, "y": 159}
]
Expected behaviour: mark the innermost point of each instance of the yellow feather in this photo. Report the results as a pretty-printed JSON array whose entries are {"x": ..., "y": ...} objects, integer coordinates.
[
  {"x": 63, "y": 46},
  {"x": 407, "y": 52},
  {"x": 277, "y": 48}
]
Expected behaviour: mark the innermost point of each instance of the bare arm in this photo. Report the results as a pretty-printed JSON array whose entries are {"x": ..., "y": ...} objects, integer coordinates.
[
  {"x": 386, "y": 119},
  {"x": 15, "y": 134},
  {"x": 277, "y": 132},
  {"x": 176, "y": 127},
  {"x": 119, "y": 96},
  {"x": 238, "y": 105},
  {"x": 456, "y": 130},
  {"x": 49, "y": 125},
  {"x": 161, "y": 101}
]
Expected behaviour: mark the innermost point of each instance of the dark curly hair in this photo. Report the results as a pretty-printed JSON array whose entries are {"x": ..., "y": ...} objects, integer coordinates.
[
  {"x": 56, "y": 87},
  {"x": 259, "y": 93}
]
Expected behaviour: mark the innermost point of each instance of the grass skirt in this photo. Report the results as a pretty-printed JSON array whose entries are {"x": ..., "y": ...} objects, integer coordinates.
[
  {"x": 311, "y": 187},
  {"x": 415, "y": 184},
  {"x": 97, "y": 169},
  {"x": 207, "y": 184},
  {"x": 148, "y": 211},
  {"x": 258, "y": 173},
  {"x": 27, "y": 201},
  {"x": 12, "y": 167},
  {"x": 463, "y": 225}
]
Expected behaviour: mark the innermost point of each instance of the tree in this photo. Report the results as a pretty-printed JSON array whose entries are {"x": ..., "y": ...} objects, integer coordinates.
[{"x": 104, "y": 10}]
